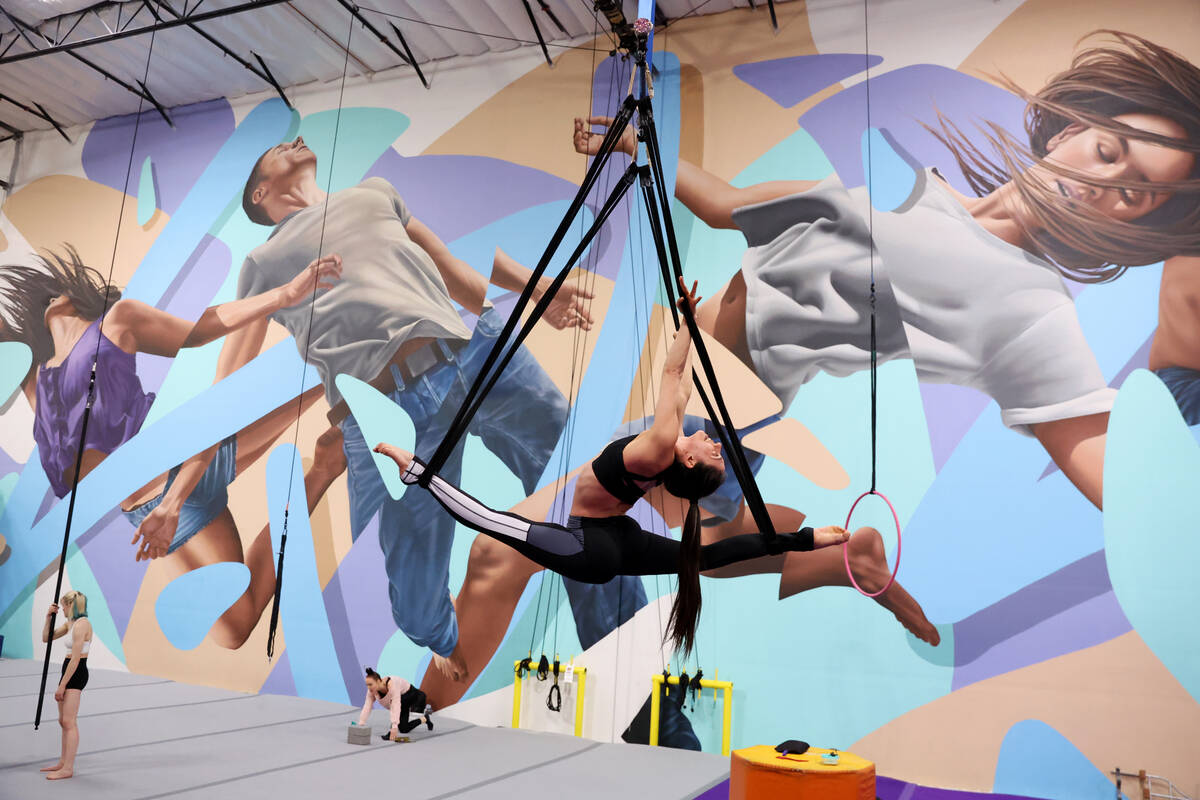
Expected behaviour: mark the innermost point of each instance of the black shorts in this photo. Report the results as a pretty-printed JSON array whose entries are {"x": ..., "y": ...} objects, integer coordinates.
[{"x": 80, "y": 678}]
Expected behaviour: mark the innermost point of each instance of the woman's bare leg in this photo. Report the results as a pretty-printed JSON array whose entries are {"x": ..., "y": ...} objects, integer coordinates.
[
  {"x": 496, "y": 577},
  {"x": 68, "y": 718},
  {"x": 868, "y": 560},
  {"x": 256, "y": 439},
  {"x": 801, "y": 571},
  {"x": 220, "y": 541},
  {"x": 63, "y": 746},
  {"x": 724, "y": 317}
]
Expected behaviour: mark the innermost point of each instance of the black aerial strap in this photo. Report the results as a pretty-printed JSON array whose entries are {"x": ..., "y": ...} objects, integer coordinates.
[
  {"x": 657, "y": 202},
  {"x": 458, "y": 427}
]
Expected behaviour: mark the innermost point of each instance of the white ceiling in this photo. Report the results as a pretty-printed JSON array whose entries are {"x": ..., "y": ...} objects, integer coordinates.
[{"x": 301, "y": 41}]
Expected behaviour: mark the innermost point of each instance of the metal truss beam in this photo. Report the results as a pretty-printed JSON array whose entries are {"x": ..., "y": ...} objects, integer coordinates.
[
  {"x": 262, "y": 72},
  {"x": 61, "y": 42},
  {"x": 143, "y": 93},
  {"x": 407, "y": 56}
]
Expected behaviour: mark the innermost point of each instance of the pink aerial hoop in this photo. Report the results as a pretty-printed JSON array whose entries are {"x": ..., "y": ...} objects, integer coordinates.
[{"x": 846, "y": 545}]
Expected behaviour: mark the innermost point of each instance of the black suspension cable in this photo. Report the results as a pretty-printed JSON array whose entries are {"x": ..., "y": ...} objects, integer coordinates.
[
  {"x": 871, "y": 241},
  {"x": 91, "y": 391},
  {"x": 312, "y": 305}
]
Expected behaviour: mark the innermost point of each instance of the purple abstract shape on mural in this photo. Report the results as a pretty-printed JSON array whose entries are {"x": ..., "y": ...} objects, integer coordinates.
[
  {"x": 280, "y": 681},
  {"x": 190, "y": 293},
  {"x": 893, "y": 789},
  {"x": 8, "y": 463},
  {"x": 950, "y": 411},
  {"x": 110, "y": 557},
  {"x": 1065, "y": 611},
  {"x": 179, "y": 154},
  {"x": 343, "y": 639},
  {"x": 1090, "y": 623},
  {"x": 900, "y": 102},
  {"x": 455, "y": 195},
  {"x": 365, "y": 606},
  {"x": 789, "y": 81}
]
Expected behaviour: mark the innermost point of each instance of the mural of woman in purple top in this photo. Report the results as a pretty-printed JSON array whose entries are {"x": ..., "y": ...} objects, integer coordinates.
[{"x": 58, "y": 308}]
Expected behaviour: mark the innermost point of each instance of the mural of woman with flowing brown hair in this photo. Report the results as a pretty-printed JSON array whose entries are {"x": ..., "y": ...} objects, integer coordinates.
[
  {"x": 971, "y": 287},
  {"x": 71, "y": 317}
]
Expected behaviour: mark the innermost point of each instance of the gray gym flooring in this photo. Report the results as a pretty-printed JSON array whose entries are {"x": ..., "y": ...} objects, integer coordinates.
[{"x": 143, "y": 737}]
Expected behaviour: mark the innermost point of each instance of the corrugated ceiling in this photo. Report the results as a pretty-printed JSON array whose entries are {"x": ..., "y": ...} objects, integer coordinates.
[{"x": 300, "y": 41}]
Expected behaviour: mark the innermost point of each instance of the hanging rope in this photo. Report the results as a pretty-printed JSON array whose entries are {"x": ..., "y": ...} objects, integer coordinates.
[
  {"x": 91, "y": 390},
  {"x": 873, "y": 340},
  {"x": 275, "y": 602}
]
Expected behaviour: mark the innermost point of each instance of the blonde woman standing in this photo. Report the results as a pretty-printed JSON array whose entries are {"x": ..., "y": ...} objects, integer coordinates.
[{"x": 78, "y": 631}]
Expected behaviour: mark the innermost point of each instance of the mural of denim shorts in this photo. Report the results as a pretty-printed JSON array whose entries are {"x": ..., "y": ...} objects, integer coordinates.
[
  {"x": 1184, "y": 384},
  {"x": 204, "y": 503}
]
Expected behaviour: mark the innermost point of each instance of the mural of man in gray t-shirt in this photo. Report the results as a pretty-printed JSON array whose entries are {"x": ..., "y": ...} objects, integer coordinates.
[{"x": 393, "y": 321}]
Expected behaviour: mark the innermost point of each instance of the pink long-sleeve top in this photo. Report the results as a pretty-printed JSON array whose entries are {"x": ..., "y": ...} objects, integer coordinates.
[{"x": 390, "y": 701}]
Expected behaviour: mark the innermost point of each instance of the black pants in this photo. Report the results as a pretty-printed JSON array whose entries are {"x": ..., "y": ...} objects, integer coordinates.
[
  {"x": 412, "y": 700},
  {"x": 80, "y": 678},
  {"x": 597, "y": 549}
]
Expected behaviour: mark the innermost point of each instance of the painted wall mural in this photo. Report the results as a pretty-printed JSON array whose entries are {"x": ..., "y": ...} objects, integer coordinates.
[{"x": 1035, "y": 368}]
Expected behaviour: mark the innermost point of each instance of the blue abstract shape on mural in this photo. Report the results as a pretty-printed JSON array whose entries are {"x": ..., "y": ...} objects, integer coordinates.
[
  {"x": 147, "y": 196},
  {"x": 380, "y": 420},
  {"x": 229, "y": 406},
  {"x": 789, "y": 81},
  {"x": 15, "y": 360},
  {"x": 302, "y": 615},
  {"x": 362, "y": 134},
  {"x": 892, "y": 177},
  {"x": 188, "y": 606},
  {"x": 208, "y": 199},
  {"x": 1152, "y": 469},
  {"x": 1035, "y": 760}
]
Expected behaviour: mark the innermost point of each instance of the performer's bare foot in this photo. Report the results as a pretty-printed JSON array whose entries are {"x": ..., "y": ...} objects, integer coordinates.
[
  {"x": 452, "y": 667},
  {"x": 868, "y": 561},
  {"x": 52, "y": 767},
  {"x": 59, "y": 775},
  {"x": 402, "y": 457}
]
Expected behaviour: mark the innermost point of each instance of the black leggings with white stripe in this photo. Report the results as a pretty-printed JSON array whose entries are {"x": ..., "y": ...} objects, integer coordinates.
[{"x": 597, "y": 549}]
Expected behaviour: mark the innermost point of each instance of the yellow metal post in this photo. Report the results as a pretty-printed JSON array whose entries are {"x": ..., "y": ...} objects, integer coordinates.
[
  {"x": 582, "y": 673},
  {"x": 655, "y": 683},
  {"x": 726, "y": 720},
  {"x": 517, "y": 695}
]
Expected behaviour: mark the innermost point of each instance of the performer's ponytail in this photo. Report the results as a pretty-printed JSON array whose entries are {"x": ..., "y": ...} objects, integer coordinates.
[{"x": 689, "y": 483}]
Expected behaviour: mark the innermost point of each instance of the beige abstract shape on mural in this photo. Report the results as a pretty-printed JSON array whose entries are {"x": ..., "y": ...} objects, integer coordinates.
[
  {"x": 549, "y": 99},
  {"x": 955, "y": 740},
  {"x": 748, "y": 398},
  {"x": 62, "y": 209},
  {"x": 1039, "y": 39},
  {"x": 790, "y": 441}
]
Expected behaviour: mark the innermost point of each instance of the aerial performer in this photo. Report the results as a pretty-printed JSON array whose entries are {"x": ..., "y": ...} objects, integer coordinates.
[{"x": 599, "y": 541}]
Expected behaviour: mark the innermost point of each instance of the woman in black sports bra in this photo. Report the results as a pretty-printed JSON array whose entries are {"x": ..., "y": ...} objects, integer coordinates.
[{"x": 599, "y": 541}]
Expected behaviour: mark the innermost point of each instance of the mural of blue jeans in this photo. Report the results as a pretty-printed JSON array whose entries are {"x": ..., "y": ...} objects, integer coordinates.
[
  {"x": 1184, "y": 384},
  {"x": 520, "y": 422}
]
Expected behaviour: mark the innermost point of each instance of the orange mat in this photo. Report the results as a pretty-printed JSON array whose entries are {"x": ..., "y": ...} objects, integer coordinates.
[{"x": 759, "y": 773}]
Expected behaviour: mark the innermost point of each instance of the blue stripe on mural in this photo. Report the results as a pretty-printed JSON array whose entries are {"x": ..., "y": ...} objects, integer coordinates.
[
  {"x": 302, "y": 616},
  {"x": 264, "y": 127},
  {"x": 226, "y": 408}
]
